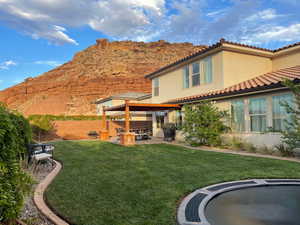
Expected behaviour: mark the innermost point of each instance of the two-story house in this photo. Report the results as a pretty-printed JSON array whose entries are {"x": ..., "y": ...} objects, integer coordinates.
[{"x": 245, "y": 80}]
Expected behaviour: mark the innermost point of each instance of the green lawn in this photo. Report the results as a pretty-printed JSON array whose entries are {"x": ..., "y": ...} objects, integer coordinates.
[{"x": 103, "y": 183}]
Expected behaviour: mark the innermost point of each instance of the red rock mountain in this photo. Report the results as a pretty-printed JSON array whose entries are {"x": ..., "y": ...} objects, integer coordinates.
[{"x": 101, "y": 70}]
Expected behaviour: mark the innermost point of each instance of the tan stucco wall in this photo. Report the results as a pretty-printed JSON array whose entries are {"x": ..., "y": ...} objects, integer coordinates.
[
  {"x": 171, "y": 84},
  {"x": 147, "y": 100},
  {"x": 268, "y": 139},
  {"x": 241, "y": 67},
  {"x": 286, "y": 59}
]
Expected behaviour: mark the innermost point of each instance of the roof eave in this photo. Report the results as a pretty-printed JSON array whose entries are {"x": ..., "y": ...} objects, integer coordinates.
[{"x": 252, "y": 91}]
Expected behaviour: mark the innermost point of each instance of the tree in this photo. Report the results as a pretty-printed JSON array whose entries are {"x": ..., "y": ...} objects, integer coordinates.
[
  {"x": 204, "y": 124},
  {"x": 291, "y": 136},
  {"x": 41, "y": 125}
]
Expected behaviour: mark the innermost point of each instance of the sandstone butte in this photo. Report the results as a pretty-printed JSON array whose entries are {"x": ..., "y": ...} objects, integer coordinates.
[{"x": 98, "y": 71}]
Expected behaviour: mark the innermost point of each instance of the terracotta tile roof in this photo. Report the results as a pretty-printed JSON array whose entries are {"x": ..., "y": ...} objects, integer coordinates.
[
  {"x": 244, "y": 45},
  {"x": 286, "y": 47},
  {"x": 262, "y": 82},
  {"x": 214, "y": 46}
]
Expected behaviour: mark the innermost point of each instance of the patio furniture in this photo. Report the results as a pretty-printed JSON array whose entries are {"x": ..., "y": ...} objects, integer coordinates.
[
  {"x": 127, "y": 137},
  {"x": 38, "y": 153},
  {"x": 93, "y": 134},
  {"x": 141, "y": 134}
]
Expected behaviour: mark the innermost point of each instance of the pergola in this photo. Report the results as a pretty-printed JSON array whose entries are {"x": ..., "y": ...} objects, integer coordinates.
[{"x": 128, "y": 138}]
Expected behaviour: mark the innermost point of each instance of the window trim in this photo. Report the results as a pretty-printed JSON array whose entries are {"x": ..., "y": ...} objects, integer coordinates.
[
  {"x": 207, "y": 61},
  {"x": 258, "y": 114},
  {"x": 196, "y": 74},
  {"x": 156, "y": 86},
  {"x": 282, "y": 116},
  {"x": 186, "y": 77},
  {"x": 244, "y": 113}
]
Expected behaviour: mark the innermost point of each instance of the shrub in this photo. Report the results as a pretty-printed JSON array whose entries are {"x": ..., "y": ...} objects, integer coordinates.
[
  {"x": 265, "y": 150},
  {"x": 236, "y": 144},
  {"x": 291, "y": 136},
  {"x": 284, "y": 150},
  {"x": 248, "y": 147},
  {"x": 41, "y": 125},
  {"x": 15, "y": 135},
  {"x": 203, "y": 124}
]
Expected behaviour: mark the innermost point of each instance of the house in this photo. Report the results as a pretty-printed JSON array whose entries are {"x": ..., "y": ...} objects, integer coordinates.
[
  {"x": 118, "y": 99},
  {"x": 243, "y": 79},
  {"x": 138, "y": 119}
]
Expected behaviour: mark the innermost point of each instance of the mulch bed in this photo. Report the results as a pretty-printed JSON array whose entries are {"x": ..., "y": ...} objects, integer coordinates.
[{"x": 30, "y": 215}]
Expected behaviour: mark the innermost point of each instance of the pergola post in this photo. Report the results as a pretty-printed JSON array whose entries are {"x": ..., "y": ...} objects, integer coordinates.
[
  {"x": 127, "y": 117},
  {"x": 103, "y": 134},
  {"x": 127, "y": 138},
  {"x": 103, "y": 118}
]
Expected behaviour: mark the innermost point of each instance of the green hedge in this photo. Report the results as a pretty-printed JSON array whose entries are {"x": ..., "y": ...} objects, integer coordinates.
[
  {"x": 63, "y": 117},
  {"x": 15, "y": 135}
]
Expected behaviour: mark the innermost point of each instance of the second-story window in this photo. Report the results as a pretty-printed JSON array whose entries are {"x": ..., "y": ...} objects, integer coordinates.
[
  {"x": 195, "y": 74},
  {"x": 156, "y": 86},
  {"x": 207, "y": 64},
  {"x": 186, "y": 77}
]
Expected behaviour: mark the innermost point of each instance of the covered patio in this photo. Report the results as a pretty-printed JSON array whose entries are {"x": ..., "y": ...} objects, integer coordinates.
[{"x": 127, "y": 137}]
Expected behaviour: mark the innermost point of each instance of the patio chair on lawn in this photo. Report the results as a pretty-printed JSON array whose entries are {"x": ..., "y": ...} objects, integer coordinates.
[
  {"x": 119, "y": 131},
  {"x": 38, "y": 153}
]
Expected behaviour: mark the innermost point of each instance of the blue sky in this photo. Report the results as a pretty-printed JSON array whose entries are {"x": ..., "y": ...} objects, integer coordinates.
[{"x": 38, "y": 35}]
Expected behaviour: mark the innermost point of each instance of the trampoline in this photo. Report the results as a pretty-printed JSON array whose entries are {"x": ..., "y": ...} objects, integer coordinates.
[{"x": 250, "y": 202}]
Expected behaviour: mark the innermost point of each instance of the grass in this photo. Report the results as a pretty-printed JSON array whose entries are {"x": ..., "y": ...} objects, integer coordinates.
[{"x": 103, "y": 183}]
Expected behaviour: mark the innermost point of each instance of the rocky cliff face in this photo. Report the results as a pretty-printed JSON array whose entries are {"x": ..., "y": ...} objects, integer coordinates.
[{"x": 101, "y": 70}]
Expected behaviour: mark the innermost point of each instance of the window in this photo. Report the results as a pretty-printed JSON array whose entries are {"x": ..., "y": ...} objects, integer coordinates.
[
  {"x": 160, "y": 119},
  {"x": 156, "y": 86},
  {"x": 186, "y": 77},
  {"x": 280, "y": 114},
  {"x": 238, "y": 115},
  {"x": 257, "y": 113},
  {"x": 207, "y": 64},
  {"x": 196, "y": 74}
]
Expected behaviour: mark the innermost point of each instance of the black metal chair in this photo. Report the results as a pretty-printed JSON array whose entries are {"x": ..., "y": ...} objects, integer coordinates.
[{"x": 40, "y": 152}]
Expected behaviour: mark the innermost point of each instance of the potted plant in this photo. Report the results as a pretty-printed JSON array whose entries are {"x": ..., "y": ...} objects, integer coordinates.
[{"x": 169, "y": 130}]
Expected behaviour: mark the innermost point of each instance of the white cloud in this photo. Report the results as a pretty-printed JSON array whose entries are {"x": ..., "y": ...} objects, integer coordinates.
[
  {"x": 195, "y": 21},
  {"x": 267, "y": 14},
  {"x": 271, "y": 33},
  {"x": 52, "y": 63},
  {"x": 7, "y": 64},
  {"x": 48, "y": 19},
  {"x": 216, "y": 13}
]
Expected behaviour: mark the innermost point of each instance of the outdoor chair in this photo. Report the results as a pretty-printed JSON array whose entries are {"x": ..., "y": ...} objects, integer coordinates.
[
  {"x": 38, "y": 153},
  {"x": 93, "y": 134}
]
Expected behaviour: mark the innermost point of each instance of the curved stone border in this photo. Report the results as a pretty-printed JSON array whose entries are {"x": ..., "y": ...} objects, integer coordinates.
[
  {"x": 38, "y": 196},
  {"x": 204, "y": 195}
]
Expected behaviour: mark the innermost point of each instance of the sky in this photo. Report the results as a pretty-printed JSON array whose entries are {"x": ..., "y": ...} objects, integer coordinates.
[{"x": 39, "y": 35}]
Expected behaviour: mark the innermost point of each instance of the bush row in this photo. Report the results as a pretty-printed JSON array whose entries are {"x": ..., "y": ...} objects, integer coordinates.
[
  {"x": 15, "y": 135},
  {"x": 62, "y": 117}
]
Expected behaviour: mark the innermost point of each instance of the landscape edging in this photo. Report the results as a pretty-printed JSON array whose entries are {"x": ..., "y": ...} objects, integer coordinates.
[
  {"x": 38, "y": 197},
  {"x": 228, "y": 151}
]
